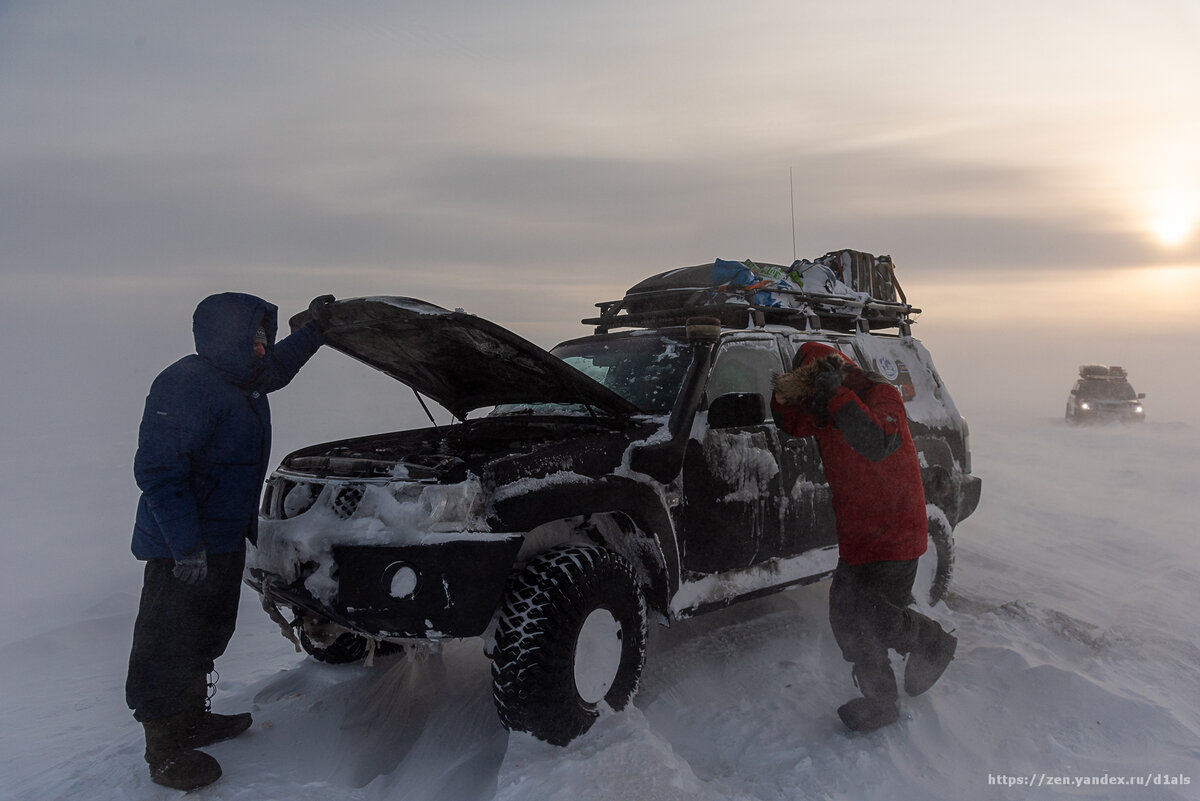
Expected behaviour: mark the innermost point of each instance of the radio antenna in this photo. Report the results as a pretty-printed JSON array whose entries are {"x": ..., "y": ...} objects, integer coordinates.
[{"x": 792, "y": 193}]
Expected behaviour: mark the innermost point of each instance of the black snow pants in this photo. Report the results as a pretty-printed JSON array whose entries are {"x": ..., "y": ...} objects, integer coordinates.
[
  {"x": 180, "y": 631},
  {"x": 868, "y": 614}
]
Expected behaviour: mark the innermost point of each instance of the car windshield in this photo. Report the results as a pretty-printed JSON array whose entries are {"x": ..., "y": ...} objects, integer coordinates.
[
  {"x": 646, "y": 370},
  {"x": 1107, "y": 390}
]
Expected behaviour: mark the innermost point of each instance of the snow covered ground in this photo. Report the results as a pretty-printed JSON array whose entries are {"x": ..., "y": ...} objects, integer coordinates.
[{"x": 1076, "y": 594}]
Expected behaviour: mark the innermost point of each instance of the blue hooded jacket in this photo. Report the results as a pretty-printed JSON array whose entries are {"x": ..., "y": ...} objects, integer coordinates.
[{"x": 205, "y": 438}]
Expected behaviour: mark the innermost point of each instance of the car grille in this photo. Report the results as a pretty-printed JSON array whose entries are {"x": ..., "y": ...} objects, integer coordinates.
[{"x": 346, "y": 500}]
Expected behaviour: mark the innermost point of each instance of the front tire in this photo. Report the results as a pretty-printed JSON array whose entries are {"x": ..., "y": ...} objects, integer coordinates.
[{"x": 571, "y": 633}]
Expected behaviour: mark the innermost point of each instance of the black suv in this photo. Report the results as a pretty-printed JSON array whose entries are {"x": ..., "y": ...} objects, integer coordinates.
[
  {"x": 626, "y": 476},
  {"x": 1102, "y": 394}
]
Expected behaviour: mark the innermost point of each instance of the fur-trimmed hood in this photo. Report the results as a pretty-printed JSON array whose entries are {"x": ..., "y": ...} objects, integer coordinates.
[{"x": 797, "y": 385}]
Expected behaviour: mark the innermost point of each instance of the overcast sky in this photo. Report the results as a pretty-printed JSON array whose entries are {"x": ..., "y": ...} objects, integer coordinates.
[{"x": 1031, "y": 165}]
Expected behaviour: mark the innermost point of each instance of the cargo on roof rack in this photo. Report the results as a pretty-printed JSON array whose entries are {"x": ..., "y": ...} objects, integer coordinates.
[
  {"x": 1102, "y": 371},
  {"x": 671, "y": 297}
]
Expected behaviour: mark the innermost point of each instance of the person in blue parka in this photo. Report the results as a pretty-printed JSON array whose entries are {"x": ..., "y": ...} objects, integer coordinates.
[{"x": 203, "y": 452}]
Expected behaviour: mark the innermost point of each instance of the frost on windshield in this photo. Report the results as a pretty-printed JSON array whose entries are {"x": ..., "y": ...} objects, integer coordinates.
[{"x": 644, "y": 370}]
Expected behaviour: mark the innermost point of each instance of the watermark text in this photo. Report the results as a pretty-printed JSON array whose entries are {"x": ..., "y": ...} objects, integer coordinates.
[{"x": 1035, "y": 780}]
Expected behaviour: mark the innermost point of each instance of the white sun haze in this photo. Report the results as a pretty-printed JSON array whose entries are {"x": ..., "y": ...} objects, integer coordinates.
[{"x": 1175, "y": 218}]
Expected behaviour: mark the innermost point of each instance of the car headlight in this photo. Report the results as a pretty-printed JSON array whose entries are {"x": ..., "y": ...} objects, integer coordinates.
[
  {"x": 1138, "y": 410},
  {"x": 441, "y": 507},
  {"x": 298, "y": 500},
  {"x": 1085, "y": 406},
  {"x": 450, "y": 506}
]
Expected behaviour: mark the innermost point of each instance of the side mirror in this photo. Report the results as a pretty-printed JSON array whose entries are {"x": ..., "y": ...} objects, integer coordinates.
[
  {"x": 1141, "y": 396},
  {"x": 1074, "y": 392},
  {"x": 737, "y": 410}
]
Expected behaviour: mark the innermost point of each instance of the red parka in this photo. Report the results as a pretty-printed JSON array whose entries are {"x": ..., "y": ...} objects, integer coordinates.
[{"x": 870, "y": 463}]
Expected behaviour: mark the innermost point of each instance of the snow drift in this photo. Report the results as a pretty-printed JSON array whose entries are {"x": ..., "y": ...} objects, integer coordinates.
[{"x": 1074, "y": 600}]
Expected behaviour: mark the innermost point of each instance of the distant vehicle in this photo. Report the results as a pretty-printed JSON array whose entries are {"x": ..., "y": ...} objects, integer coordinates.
[{"x": 1103, "y": 393}]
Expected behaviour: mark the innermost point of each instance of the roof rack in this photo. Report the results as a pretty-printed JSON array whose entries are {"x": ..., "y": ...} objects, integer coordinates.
[
  {"x": 1102, "y": 371},
  {"x": 673, "y": 306}
]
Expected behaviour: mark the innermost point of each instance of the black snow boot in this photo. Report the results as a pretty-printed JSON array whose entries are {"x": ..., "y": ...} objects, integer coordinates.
[
  {"x": 206, "y": 727},
  {"x": 929, "y": 657},
  {"x": 212, "y": 728},
  {"x": 877, "y": 707},
  {"x": 173, "y": 764}
]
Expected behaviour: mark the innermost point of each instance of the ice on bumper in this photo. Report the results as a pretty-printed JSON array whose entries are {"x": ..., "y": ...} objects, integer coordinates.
[{"x": 304, "y": 521}]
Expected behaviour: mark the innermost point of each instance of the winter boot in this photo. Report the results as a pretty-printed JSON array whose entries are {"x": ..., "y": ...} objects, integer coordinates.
[
  {"x": 877, "y": 707},
  {"x": 173, "y": 764},
  {"x": 929, "y": 657},
  {"x": 206, "y": 727}
]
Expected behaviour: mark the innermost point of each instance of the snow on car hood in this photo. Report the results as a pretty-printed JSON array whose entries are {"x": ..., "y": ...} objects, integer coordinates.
[{"x": 461, "y": 361}]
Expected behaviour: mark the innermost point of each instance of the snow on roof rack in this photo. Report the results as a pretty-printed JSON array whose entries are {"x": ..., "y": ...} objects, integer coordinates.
[{"x": 672, "y": 306}]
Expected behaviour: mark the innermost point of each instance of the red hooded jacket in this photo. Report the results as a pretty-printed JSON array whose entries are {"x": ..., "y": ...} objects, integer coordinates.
[{"x": 870, "y": 463}]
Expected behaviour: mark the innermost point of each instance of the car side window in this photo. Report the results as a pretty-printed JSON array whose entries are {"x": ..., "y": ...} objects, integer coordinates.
[
  {"x": 844, "y": 345},
  {"x": 744, "y": 366}
]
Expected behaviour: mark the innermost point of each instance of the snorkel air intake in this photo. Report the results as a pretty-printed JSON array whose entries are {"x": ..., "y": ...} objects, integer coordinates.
[{"x": 663, "y": 460}]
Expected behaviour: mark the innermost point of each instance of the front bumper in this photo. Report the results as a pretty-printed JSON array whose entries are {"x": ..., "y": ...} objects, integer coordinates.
[
  {"x": 1109, "y": 417},
  {"x": 1099, "y": 412},
  {"x": 450, "y": 589}
]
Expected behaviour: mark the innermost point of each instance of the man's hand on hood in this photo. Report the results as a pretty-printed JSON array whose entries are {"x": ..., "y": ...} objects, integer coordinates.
[{"x": 319, "y": 309}]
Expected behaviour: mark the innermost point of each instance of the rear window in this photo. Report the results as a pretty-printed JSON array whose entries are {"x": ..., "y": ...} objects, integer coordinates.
[{"x": 908, "y": 367}]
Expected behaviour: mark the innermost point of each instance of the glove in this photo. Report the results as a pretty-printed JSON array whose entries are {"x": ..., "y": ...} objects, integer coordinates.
[
  {"x": 192, "y": 567},
  {"x": 828, "y": 377},
  {"x": 319, "y": 309},
  {"x": 826, "y": 381}
]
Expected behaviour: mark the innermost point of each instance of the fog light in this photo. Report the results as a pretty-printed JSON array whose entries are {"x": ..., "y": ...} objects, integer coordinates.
[{"x": 400, "y": 580}]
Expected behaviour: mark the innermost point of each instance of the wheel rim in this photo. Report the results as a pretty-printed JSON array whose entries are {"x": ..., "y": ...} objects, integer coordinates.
[{"x": 597, "y": 655}]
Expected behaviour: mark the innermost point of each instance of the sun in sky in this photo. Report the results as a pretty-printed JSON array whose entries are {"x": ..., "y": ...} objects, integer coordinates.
[
  {"x": 1172, "y": 199},
  {"x": 1174, "y": 213},
  {"x": 1173, "y": 227}
]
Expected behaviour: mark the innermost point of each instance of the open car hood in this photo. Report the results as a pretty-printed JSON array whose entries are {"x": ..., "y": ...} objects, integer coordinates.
[{"x": 461, "y": 361}]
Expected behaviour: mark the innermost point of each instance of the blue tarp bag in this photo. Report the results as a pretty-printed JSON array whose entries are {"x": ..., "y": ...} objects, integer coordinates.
[{"x": 740, "y": 275}]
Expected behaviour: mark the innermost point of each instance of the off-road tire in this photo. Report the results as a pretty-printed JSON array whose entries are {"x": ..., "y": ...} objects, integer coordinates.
[{"x": 537, "y": 634}]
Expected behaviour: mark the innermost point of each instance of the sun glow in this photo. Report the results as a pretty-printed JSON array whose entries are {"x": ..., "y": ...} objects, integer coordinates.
[
  {"x": 1160, "y": 175},
  {"x": 1172, "y": 206},
  {"x": 1173, "y": 229}
]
